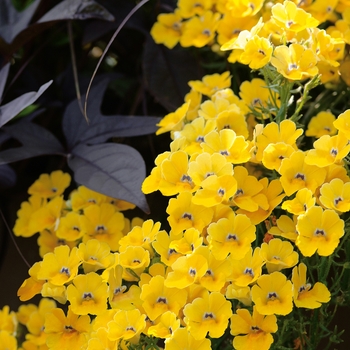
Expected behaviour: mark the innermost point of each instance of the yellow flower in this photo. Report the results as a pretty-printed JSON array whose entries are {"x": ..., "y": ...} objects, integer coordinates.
[
  {"x": 206, "y": 165},
  {"x": 342, "y": 123},
  {"x": 190, "y": 8},
  {"x": 61, "y": 266},
  {"x": 173, "y": 121},
  {"x": 303, "y": 201},
  {"x": 162, "y": 246},
  {"x": 24, "y": 215},
  {"x": 7, "y": 341},
  {"x": 95, "y": 255},
  {"x": 211, "y": 83},
  {"x": 190, "y": 241},
  {"x": 158, "y": 299},
  {"x": 304, "y": 294},
  {"x": 232, "y": 235},
  {"x": 244, "y": 8},
  {"x": 66, "y": 332},
  {"x": 32, "y": 285},
  {"x": 295, "y": 62},
  {"x": 292, "y": 18},
  {"x": 127, "y": 325},
  {"x": 319, "y": 230},
  {"x": 49, "y": 186},
  {"x": 83, "y": 197},
  {"x": 208, "y": 314},
  {"x": 240, "y": 293},
  {"x": 165, "y": 326},
  {"x": 248, "y": 269},
  {"x": 273, "y": 294},
  {"x": 278, "y": 255},
  {"x": 70, "y": 227},
  {"x": 104, "y": 223},
  {"x": 228, "y": 144},
  {"x": 297, "y": 174},
  {"x": 285, "y": 227},
  {"x": 182, "y": 339},
  {"x": 8, "y": 320},
  {"x": 200, "y": 30},
  {"x": 274, "y": 153},
  {"x": 88, "y": 294},
  {"x": 184, "y": 214},
  {"x": 336, "y": 195},
  {"x": 135, "y": 259},
  {"x": 257, "y": 52},
  {"x": 328, "y": 150},
  {"x": 168, "y": 29},
  {"x": 252, "y": 332},
  {"x": 58, "y": 293}
]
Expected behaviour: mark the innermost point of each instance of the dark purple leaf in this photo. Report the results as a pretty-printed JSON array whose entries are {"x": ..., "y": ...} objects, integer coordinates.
[
  {"x": 35, "y": 140},
  {"x": 7, "y": 176},
  {"x": 4, "y": 72},
  {"x": 76, "y": 9},
  {"x": 167, "y": 73},
  {"x": 100, "y": 127},
  {"x": 112, "y": 169},
  {"x": 13, "y": 22},
  {"x": 11, "y": 109}
]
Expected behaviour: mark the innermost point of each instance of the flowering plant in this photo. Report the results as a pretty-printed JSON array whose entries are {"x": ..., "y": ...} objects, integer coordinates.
[{"x": 257, "y": 253}]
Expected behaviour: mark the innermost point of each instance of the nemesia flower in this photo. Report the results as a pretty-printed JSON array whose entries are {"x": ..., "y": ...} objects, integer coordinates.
[
  {"x": 7, "y": 341},
  {"x": 135, "y": 259},
  {"x": 127, "y": 325},
  {"x": 184, "y": 214},
  {"x": 256, "y": 328},
  {"x": 83, "y": 197},
  {"x": 294, "y": 62},
  {"x": 158, "y": 299},
  {"x": 182, "y": 339},
  {"x": 168, "y": 29},
  {"x": 162, "y": 246},
  {"x": 48, "y": 241},
  {"x": 190, "y": 241},
  {"x": 194, "y": 98},
  {"x": 285, "y": 227},
  {"x": 319, "y": 230},
  {"x": 32, "y": 285},
  {"x": 273, "y": 294},
  {"x": 59, "y": 293},
  {"x": 304, "y": 294},
  {"x": 49, "y": 186},
  {"x": 61, "y": 266},
  {"x": 278, "y": 255},
  {"x": 303, "y": 201},
  {"x": 166, "y": 325},
  {"x": 200, "y": 30},
  {"x": 98, "y": 340},
  {"x": 244, "y": 8},
  {"x": 173, "y": 121},
  {"x": 232, "y": 235},
  {"x": 70, "y": 227},
  {"x": 209, "y": 314},
  {"x": 336, "y": 195},
  {"x": 211, "y": 83},
  {"x": 88, "y": 294},
  {"x": 328, "y": 150},
  {"x": 240, "y": 293},
  {"x": 321, "y": 124},
  {"x": 342, "y": 123},
  {"x": 190, "y": 8},
  {"x": 247, "y": 270},
  {"x": 66, "y": 332},
  {"x": 8, "y": 320}
]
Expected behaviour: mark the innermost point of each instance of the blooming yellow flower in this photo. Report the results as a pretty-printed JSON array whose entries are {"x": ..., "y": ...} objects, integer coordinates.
[
  {"x": 32, "y": 285},
  {"x": 200, "y": 30},
  {"x": 303, "y": 201},
  {"x": 136, "y": 259},
  {"x": 278, "y": 255},
  {"x": 285, "y": 227},
  {"x": 162, "y": 246},
  {"x": 158, "y": 299},
  {"x": 69, "y": 227},
  {"x": 190, "y": 8},
  {"x": 83, "y": 197},
  {"x": 184, "y": 214},
  {"x": 183, "y": 339},
  {"x": 166, "y": 325},
  {"x": 127, "y": 325},
  {"x": 336, "y": 195},
  {"x": 232, "y": 235},
  {"x": 168, "y": 29},
  {"x": 244, "y": 8},
  {"x": 190, "y": 241},
  {"x": 240, "y": 293},
  {"x": 61, "y": 266},
  {"x": 174, "y": 120},
  {"x": 248, "y": 269},
  {"x": 294, "y": 62},
  {"x": 66, "y": 332},
  {"x": 342, "y": 123},
  {"x": 273, "y": 294},
  {"x": 49, "y": 186},
  {"x": 88, "y": 294},
  {"x": 256, "y": 328},
  {"x": 208, "y": 314},
  {"x": 328, "y": 150},
  {"x": 8, "y": 341},
  {"x": 319, "y": 230},
  {"x": 210, "y": 84},
  {"x": 304, "y": 294},
  {"x": 297, "y": 174},
  {"x": 8, "y": 320}
]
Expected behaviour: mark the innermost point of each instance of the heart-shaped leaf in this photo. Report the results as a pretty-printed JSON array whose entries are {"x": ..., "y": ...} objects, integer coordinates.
[
  {"x": 35, "y": 140},
  {"x": 113, "y": 169},
  {"x": 11, "y": 109},
  {"x": 7, "y": 176},
  {"x": 100, "y": 127}
]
